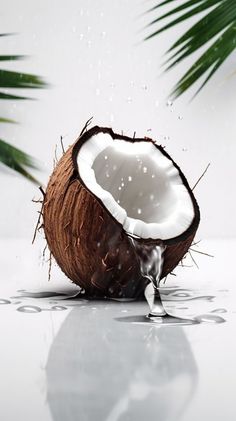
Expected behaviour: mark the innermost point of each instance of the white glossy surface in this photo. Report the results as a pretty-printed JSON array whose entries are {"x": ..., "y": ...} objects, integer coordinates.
[{"x": 101, "y": 360}]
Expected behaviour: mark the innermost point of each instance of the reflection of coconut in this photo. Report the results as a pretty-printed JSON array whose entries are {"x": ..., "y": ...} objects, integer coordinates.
[
  {"x": 105, "y": 189},
  {"x": 118, "y": 371}
]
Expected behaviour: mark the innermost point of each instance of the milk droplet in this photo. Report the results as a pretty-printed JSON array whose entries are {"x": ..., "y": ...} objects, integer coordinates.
[
  {"x": 114, "y": 167},
  {"x": 169, "y": 103},
  {"x": 145, "y": 170},
  {"x": 119, "y": 188},
  {"x": 139, "y": 211},
  {"x": 81, "y": 37},
  {"x": 122, "y": 184},
  {"x": 129, "y": 178},
  {"x": 180, "y": 117},
  {"x": 153, "y": 175},
  {"x": 105, "y": 157},
  {"x": 151, "y": 197},
  {"x": 129, "y": 99}
]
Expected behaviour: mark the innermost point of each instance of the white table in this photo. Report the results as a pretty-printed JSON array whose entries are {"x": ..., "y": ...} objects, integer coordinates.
[{"x": 70, "y": 359}]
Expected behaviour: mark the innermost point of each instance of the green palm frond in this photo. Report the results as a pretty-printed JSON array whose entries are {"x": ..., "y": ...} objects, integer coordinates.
[
  {"x": 17, "y": 160},
  {"x": 216, "y": 26},
  {"x": 9, "y": 155}
]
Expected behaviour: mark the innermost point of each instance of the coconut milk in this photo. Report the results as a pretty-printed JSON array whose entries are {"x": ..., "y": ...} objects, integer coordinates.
[{"x": 151, "y": 262}]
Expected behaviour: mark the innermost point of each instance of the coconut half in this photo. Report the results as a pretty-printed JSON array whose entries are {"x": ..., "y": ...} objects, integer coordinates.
[{"x": 106, "y": 189}]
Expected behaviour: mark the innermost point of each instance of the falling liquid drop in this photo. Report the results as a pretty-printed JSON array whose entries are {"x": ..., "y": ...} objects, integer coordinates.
[
  {"x": 139, "y": 211},
  {"x": 129, "y": 178}
]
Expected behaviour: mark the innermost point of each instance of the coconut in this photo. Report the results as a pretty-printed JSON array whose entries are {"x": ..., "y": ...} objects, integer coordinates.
[{"x": 107, "y": 193}]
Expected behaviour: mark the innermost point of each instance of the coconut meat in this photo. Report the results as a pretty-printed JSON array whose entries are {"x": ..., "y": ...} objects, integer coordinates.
[{"x": 138, "y": 185}]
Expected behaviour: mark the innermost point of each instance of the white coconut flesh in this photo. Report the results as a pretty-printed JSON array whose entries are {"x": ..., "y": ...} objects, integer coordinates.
[{"x": 138, "y": 184}]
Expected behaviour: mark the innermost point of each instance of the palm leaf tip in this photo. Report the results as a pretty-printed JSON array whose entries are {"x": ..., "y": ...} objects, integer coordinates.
[{"x": 217, "y": 26}]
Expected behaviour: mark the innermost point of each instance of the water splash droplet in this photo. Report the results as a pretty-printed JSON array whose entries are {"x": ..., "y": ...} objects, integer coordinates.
[
  {"x": 3, "y": 301},
  {"x": 209, "y": 318},
  {"x": 219, "y": 310},
  {"x": 58, "y": 308},
  {"x": 29, "y": 309}
]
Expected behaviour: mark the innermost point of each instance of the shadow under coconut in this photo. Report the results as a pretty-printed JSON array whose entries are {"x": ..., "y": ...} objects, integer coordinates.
[{"x": 104, "y": 370}]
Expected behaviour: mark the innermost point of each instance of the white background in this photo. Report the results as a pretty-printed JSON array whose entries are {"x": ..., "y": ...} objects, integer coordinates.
[{"x": 93, "y": 56}]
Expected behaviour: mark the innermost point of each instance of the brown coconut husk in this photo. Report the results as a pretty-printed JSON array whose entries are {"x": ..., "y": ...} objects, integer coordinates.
[{"x": 88, "y": 244}]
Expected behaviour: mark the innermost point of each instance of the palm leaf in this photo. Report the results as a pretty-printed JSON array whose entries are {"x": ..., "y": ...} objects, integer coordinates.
[
  {"x": 17, "y": 160},
  {"x": 217, "y": 26},
  {"x": 9, "y": 155}
]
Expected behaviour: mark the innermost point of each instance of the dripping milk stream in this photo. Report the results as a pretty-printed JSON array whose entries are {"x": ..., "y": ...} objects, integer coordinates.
[{"x": 151, "y": 261}]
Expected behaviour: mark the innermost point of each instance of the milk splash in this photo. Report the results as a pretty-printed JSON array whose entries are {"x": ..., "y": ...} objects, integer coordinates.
[{"x": 151, "y": 259}]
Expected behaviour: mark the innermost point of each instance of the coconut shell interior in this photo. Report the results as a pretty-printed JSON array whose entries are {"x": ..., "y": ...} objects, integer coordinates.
[{"x": 88, "y": 244}]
